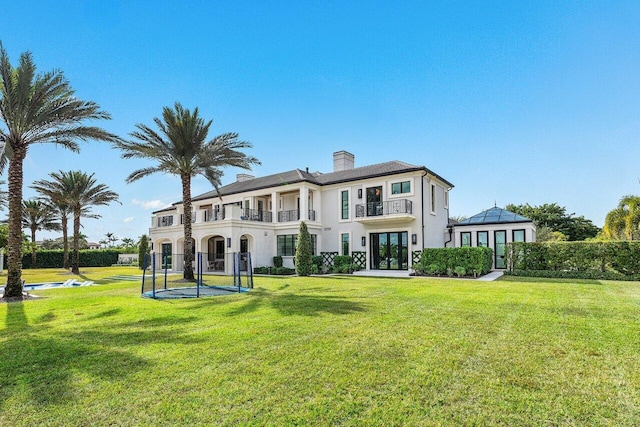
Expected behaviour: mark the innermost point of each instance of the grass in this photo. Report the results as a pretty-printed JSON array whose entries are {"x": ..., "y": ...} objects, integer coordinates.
[{"x": 325, "y": 351}]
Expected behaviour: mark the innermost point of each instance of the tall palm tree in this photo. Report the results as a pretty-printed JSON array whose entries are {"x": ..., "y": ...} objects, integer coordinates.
[
  {"x": 36, "y": 109},
  {"x": 623, "y": 222},
  {"x": 56, "y": 193},
  {"x": 37, "y": 216},
  {"x": 181, "y": 148},
  {"x": 85, "y": 193}
]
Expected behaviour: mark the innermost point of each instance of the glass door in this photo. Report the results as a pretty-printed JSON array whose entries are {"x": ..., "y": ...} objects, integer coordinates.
[
  {"x": 374, "y": 201},
  {"x": 389, "y": 251},
  {"x": 166, "y": 255},
  {"x": 500, "y": 242}
]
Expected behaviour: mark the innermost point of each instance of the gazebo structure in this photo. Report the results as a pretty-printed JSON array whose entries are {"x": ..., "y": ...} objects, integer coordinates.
[{"x": 493, "y": 228}]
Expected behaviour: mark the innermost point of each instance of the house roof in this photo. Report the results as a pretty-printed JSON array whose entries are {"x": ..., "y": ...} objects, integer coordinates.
[
  {"x": 297, "y": 175},
  {"x": 494, "y": 215}
]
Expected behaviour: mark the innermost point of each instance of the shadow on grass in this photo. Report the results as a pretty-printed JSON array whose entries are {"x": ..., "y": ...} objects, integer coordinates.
[
  {"x": 42, "y": 367},
  {"x": 290, "y": 304}
]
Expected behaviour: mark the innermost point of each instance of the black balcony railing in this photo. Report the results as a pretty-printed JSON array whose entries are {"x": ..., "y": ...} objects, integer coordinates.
[
  {"x": 312, "y": 215},
  {"x": 390, "y": 207},
  {"x": 256, "y": 215},
  {"x": 193, "y": 218},
  {"x": 213, "y": 215},
  {"x": 165, "y": 221},
  {"x": 285, "y": 216}
]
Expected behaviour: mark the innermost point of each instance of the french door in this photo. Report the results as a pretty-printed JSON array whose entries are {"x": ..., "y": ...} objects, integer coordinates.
[{"x": 389, "y": 251}]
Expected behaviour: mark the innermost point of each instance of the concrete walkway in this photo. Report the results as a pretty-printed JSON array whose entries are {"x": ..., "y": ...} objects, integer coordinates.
[{"x": 405, "y": 274}]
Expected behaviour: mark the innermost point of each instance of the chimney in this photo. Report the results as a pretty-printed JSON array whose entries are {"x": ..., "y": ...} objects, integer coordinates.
[
  {"x": 342, "y": 161},
  {"x": 244, "y": 177}
]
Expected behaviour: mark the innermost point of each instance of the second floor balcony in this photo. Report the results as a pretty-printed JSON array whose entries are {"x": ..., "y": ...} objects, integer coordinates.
[{"x": 400, "y": 209}]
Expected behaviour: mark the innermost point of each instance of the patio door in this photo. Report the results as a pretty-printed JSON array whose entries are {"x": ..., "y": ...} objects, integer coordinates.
[
  {"x": 389, "y": 251},
  {"x": 166, "y": 255},
  {"x": 500, "y": 239},
  {"x": 374, "y": 201}
]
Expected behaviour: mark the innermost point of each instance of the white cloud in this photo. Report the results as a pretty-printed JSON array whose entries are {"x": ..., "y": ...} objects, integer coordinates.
[
  {"x": 149, "y": 204},
  {"x": 128, "y": 219}
]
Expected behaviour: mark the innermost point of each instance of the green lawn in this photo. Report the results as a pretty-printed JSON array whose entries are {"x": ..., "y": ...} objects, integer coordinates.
[{"x": 325, "y": 351}]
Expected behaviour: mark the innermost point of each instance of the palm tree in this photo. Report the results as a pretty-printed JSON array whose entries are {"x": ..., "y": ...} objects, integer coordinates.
[
  {"x": 623, "y": 222},
  {"x": 38, "y": 216},
  {"x": 111, "y": 239},
  {"x": 181, "y": 148},
  {"x": 128, "y": 242},
  {"x": 55, "y": 192},
  {"x": 4, "y": 197},
  {"x": 85, "y": 193},
  {"x": 36, "y": 109}
]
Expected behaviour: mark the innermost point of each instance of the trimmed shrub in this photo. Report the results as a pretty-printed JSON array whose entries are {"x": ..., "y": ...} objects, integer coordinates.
[
  {"x": 340, "y": 260},
  {"x": 277, "y": 261},
  {"x": 439, "y": 261},
  {"x": 317, "y": 261},
  {"x": 303, "y": 252},
  {"x": 577, "y": 260},
  {"x": 87, "y": 258}
]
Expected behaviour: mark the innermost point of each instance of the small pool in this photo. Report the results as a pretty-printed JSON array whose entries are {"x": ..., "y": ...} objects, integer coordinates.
[{"x": 71, "y": 283}]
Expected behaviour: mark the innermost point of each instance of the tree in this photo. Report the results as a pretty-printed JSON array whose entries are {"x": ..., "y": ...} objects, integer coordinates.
[
  {"x": 546, "y": 234},
  {"x": 304, "y": 261},
  {"x": 36, "y": 109},
  {"x": 128, "y": 242},
  {"x": 85, "y": 194},
  {"x": 111, "y": 239},
  {"x": 38, "y": 216},
  {"x": 56, "y": 192},
  {"x": 181, "y": 148},
  {"x": 4, "y": 197},
  {"x": 143, "y": 250},
  {"x": 556, "y": 218},
  {"x": 623, "y": 222}
]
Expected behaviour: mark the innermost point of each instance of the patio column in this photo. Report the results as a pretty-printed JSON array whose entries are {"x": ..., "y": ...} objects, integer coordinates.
[
  {"x": 274, "y": 206},
  {"x": 304, "y": 204}
]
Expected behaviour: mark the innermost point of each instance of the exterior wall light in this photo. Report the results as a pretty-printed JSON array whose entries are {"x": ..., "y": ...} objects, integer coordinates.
[
  {"x": 228, "y": 242},
  {"x": 363, "y": 241},
  {"x": 414, "y": 239}
]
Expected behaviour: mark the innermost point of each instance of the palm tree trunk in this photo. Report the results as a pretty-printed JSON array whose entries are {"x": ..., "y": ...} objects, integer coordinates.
[
  {"x": 65, "y": 243},
  {"x": 33, "y": 247},
  {"x": 188, "y": 243},
  {"x": 75, "y": 262},
  {"x": 13, "y": 289}
]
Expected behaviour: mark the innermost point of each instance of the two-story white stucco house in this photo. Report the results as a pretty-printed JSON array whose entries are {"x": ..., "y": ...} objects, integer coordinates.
[{"x": 379, "y": 214}]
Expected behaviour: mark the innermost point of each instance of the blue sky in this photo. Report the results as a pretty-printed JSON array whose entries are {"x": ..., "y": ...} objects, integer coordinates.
[{"x": 513, "y": 102}]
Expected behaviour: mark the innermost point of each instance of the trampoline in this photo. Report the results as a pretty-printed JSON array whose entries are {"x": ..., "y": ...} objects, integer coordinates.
[
  {"x": 204, "y": 286},
  {"x": 194, "y": 292}
]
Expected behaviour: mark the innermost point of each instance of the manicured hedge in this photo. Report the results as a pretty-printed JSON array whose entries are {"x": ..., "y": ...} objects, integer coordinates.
[
  {"x": 88, "y": 258},
  {"x": 440, "y": 261},
  {"x": 579, "y": 260}
]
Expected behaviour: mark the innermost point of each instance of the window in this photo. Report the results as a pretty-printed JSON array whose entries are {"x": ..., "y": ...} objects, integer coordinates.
[
  {"x": 344, "y": 197},
  {"x": 433, "y": 198},
  {"x": 446, "y": 199},
  {"x": 483, "y": 239},
  {"x": 287, "y": 244},
  {"x": 518, "y": 236},
  {"x": 465, "y": 239},
  {"x": 314, "y": 244},
  {"x": 344, "y": 237},
  {"x": 401, "y": 187}
]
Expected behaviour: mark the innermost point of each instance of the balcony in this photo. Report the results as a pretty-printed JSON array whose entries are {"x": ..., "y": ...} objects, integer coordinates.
[
  {"x": 193, "y": 218},
  {"x": 256, "y": 215},
  {"x": 400, "y": 210},
  {"x": 294, "y": 215},
  {"x": 165, "y": 221},
  {"x": 211, "y": 215}
]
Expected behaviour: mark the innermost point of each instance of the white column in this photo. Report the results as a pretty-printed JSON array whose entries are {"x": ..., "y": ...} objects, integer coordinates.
[
  {"x": 274, "y": 206},
  {"x": 304, "y": 204}
]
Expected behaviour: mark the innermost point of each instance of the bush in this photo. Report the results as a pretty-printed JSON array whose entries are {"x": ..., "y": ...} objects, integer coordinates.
[
  {"x": 277, "y": 261},
  {"x": 439, "y": 261},
  {"x": 578, "y": 260},
  {"x": 302, "y": 259},
  {"x": 340, "y": 260},
  {"x": 317, "y": 261},
  {"x": 460, "y": 271},
  {"x": 87, "y": 258}
]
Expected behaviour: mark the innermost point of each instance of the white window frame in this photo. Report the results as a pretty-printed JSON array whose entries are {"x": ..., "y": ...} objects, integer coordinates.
[
  {"x": 432, "y": 198},
  {"x": 340, "y": 191}
]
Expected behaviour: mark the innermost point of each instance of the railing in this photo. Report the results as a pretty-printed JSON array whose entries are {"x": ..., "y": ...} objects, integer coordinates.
[
  {"x": 312, "y": 215},
  {"x": 193, "y": 218},
  {"x": 256, "y": 215},
  {"x": 211, "y": 215},
  {"x": 390, "y": 207},
  {"x": 165, "y": 221},
  {"x": 285, "y": 216}
]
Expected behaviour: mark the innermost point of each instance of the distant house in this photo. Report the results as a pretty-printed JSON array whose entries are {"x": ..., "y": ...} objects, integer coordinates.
[
  {"x": 378, "y": 214},
  {"x": 93, "y": 245},
  {"x": 493, "y": 228}
]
